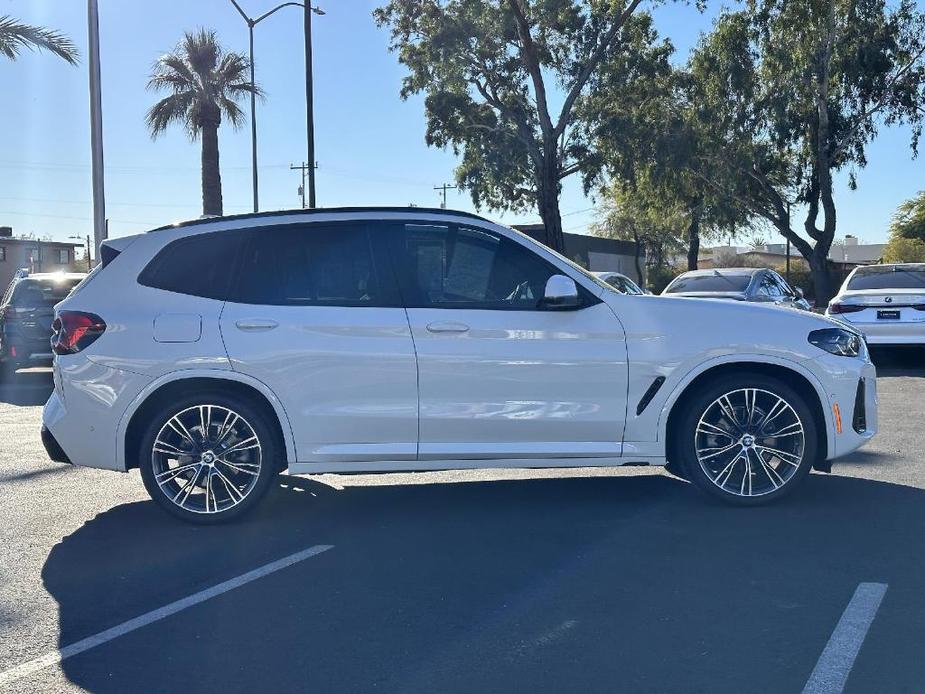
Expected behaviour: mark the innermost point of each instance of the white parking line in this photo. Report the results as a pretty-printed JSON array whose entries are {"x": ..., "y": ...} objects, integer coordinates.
[
  {"x": 834, "y": 665},
  {"x": 54, "y": 657}
]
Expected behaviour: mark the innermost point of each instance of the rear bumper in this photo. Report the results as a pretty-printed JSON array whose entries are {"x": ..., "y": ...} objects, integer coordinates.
[
  {"x": 889, "y": 332},
  {"x": 53, "y": 448}
]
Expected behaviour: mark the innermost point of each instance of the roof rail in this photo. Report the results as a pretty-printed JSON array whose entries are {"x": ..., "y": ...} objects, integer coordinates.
[{"x": 320, "y": 210}]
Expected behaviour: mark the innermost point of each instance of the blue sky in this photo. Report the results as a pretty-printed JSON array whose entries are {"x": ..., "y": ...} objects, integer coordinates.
[{"x": 369, "y": 144}]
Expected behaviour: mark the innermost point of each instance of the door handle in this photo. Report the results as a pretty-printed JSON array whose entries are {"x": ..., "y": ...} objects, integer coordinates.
[
  {"x": 447, "y": 327},
  {"x": 256, "y": 325}
]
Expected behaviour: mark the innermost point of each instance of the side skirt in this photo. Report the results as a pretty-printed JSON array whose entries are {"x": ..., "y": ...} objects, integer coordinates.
[{"x": 506, "y": 463}]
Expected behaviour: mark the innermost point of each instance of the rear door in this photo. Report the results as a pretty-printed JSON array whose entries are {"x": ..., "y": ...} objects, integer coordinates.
[{"x": 316, "y": 316}]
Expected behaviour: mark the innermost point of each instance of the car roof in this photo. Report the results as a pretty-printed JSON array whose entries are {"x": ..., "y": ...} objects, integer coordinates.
[
  {"x": 54, "y": 276},
  {"x": 889, "y": 267},
  {"x": 723, "y": 271},
  {"x": 308, "y": 213}
]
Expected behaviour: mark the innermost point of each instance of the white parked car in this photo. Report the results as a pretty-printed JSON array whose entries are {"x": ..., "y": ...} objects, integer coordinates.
[
  {"x": 885, "y": 302},
  {"x": 215, "y": 354},
  {"x": 621, "y": 283}
]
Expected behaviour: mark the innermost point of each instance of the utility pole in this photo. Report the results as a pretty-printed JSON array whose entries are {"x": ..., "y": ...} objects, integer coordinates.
[
  {"x": 96, "y": 125},
  {"x": 309, "y": 99},
  {"x": 788, "y": 243},
  {"x": 303, "y": 167},
  {"x": 444, "y": 188}
]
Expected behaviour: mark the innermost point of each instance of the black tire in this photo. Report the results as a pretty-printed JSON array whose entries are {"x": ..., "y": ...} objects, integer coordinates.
[
  {"x": 254, "y": 486},
  {"x": 792, "y": 463}
]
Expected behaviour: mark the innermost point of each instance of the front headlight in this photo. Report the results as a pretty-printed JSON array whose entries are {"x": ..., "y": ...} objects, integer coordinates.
[{"x": 844, "y": 343}]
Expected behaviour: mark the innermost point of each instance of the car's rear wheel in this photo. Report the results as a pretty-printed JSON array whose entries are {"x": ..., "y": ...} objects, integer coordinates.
[
  {"x": 746, "y": 439},
  {"x": 209, "y": 458}
]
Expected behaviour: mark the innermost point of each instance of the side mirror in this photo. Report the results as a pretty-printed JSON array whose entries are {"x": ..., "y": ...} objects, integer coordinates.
[
  {"x": 561, "y": 292},
  {"x": 799, "y": 292}
]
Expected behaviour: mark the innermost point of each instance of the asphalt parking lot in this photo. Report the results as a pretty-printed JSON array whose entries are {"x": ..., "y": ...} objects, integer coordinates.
[{"x": 608, "y": 581}]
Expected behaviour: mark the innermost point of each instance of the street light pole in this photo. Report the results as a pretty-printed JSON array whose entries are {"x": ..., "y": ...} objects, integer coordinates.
[
  {"x": 309, "y": 105},
  {"x": 96, "y": 126},
  {"x": 251, "y": 23}
]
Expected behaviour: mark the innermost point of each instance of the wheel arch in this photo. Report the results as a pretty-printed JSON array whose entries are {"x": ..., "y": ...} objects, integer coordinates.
[
  {"x": 131, "y": 426},
  {"x": 796, "y": 376}
]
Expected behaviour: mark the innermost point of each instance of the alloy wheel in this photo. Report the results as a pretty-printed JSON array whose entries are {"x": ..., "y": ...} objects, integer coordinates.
[
  {"x": 206, "y": 459},
  {"x": 750, "y": 442}
]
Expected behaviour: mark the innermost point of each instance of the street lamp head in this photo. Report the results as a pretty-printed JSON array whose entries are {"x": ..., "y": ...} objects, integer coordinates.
[{"x": 318, "y": 11}]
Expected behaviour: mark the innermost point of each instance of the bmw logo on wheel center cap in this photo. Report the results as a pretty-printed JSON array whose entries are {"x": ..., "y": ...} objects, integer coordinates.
[{"x": 748, "y": 440}]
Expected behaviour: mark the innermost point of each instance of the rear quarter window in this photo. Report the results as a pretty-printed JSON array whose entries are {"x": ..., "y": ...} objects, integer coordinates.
[{"x": 200, "y": 265}]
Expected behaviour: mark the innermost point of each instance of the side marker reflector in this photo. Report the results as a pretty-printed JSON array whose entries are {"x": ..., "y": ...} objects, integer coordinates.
[{"x": 837, "y": 413}]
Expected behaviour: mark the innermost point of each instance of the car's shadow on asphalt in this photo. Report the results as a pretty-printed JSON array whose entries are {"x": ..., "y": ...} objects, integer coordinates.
[
  {"x": 905, "y": 360},
  {"x": 568, "y": 584},
  {"x": 26, "y": 388}
]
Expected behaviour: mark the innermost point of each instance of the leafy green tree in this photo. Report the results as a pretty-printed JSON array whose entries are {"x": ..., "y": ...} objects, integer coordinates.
[
  {"x": 504, "y": 84},
  {"x": 790, "y": 92},
  {"x": 909, "y": 219},
  {"x": 15, "y": 36},
  {"x": 655, "y": 228},
  {"x": 901, "y": 249},
  {"x": 206, "y": 82}
]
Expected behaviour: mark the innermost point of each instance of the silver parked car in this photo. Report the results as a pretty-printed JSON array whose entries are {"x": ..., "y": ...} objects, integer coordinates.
[
  {"x": 739, "y": 284},
  {"x": 885, "y": 302},
  {"x": 621, "y": 283}
]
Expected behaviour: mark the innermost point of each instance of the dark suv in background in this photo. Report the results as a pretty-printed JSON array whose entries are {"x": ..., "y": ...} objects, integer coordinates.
[{"x": 26, "y": 315}]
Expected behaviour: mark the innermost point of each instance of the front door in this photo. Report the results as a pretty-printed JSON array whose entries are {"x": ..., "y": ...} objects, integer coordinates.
[
  {"x": 499, "y": 375},
  {"x": 315, "y": 315}
]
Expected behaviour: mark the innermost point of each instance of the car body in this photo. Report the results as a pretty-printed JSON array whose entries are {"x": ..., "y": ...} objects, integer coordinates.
[
  {"x": 26, "y": 314},
  {"x": 885, "y": 302},
  {"x": 739, "y": 284},
  {"x": 385, "y": 339},
  {"x": 621, "y": 283}
]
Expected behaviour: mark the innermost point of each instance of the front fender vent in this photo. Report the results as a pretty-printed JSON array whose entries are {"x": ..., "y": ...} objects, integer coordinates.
[
  {"x": 649, "y": 394},
  {"x": 859, "y": 420}
]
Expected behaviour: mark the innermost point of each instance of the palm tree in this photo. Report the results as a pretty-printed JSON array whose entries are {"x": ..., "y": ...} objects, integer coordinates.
[
  {"x": 205, "y": 82},
  {"x": 14, "y": 36}
]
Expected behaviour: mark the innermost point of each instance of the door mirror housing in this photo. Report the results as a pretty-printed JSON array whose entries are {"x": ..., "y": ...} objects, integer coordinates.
[
  {"x": 799, "y": 292},
  {"x": 561, "y": 292}
]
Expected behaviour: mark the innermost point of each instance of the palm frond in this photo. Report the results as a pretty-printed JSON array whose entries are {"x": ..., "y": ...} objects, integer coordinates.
[
  {"x": 202, "y": 50},
  {"x": 15, "y": 36},
  {"x": 232, "y": 112},
  {"x": 171, "y": 71},
  {"x": 174, "y": 108}
]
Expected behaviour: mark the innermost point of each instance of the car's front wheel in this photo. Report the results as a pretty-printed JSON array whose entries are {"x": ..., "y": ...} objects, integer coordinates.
[
  {"x": 746, "y": 439},
  {"x": 209, "y": 458}
]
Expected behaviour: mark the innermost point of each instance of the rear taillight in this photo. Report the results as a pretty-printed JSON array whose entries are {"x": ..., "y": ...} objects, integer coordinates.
[
  {"x": 836, "y": 307},
  {"x": 74, "y": 331}
]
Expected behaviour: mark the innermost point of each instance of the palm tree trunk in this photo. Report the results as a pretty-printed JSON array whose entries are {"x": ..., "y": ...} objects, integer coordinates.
[{"x": 211, "y": 174}]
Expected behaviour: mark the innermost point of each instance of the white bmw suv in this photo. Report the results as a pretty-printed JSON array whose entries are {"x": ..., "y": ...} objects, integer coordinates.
[{"x": 215, "y": 354}]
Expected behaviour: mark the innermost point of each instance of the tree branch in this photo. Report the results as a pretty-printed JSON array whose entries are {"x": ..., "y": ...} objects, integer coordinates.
[
  {"x": 528, "y": 54},
  {"x": 593, "y": 61}
]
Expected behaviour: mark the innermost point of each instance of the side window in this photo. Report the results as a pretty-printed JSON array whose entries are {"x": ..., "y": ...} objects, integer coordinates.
[
  {"x": 445, "y": 266},
  {"x": 200, "y": 265},
  {"x": 768, "y": 287},
  {"x": 784, "y": 287},
  {"x": 314, "y": 265}
]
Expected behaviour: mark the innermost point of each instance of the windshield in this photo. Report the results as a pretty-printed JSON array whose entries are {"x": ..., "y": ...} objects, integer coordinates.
[
  {"x": 890, "y": 277},
  {"x": 709, "y": 283},
  {"x": 44, "y": 292}
]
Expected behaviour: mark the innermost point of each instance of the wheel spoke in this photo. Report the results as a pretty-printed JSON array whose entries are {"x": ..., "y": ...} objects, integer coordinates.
[
  {"x": 205, "y": 420},
  {"x": 168, "y": 475},
  {"x": 773, "y": 413},
  {"x": 167, "y": 448},
  {"x": 244, "y": 445},
  {"x": 716, "y": 451},
  {"x": 229, "y": 485},
  {"x": 728, "y": 410},
  {"x": 241, "y": 467},
  {"x": 751, "y": 397},
  {"x": 227, "y": 427},
  {"x": 790, "y": 458},
  {"x": 178, "y": 426},
  {"x": 773, "y": 475},
  {"x": 711, "y": 429},
  {"x": 794, "y": 429}
]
